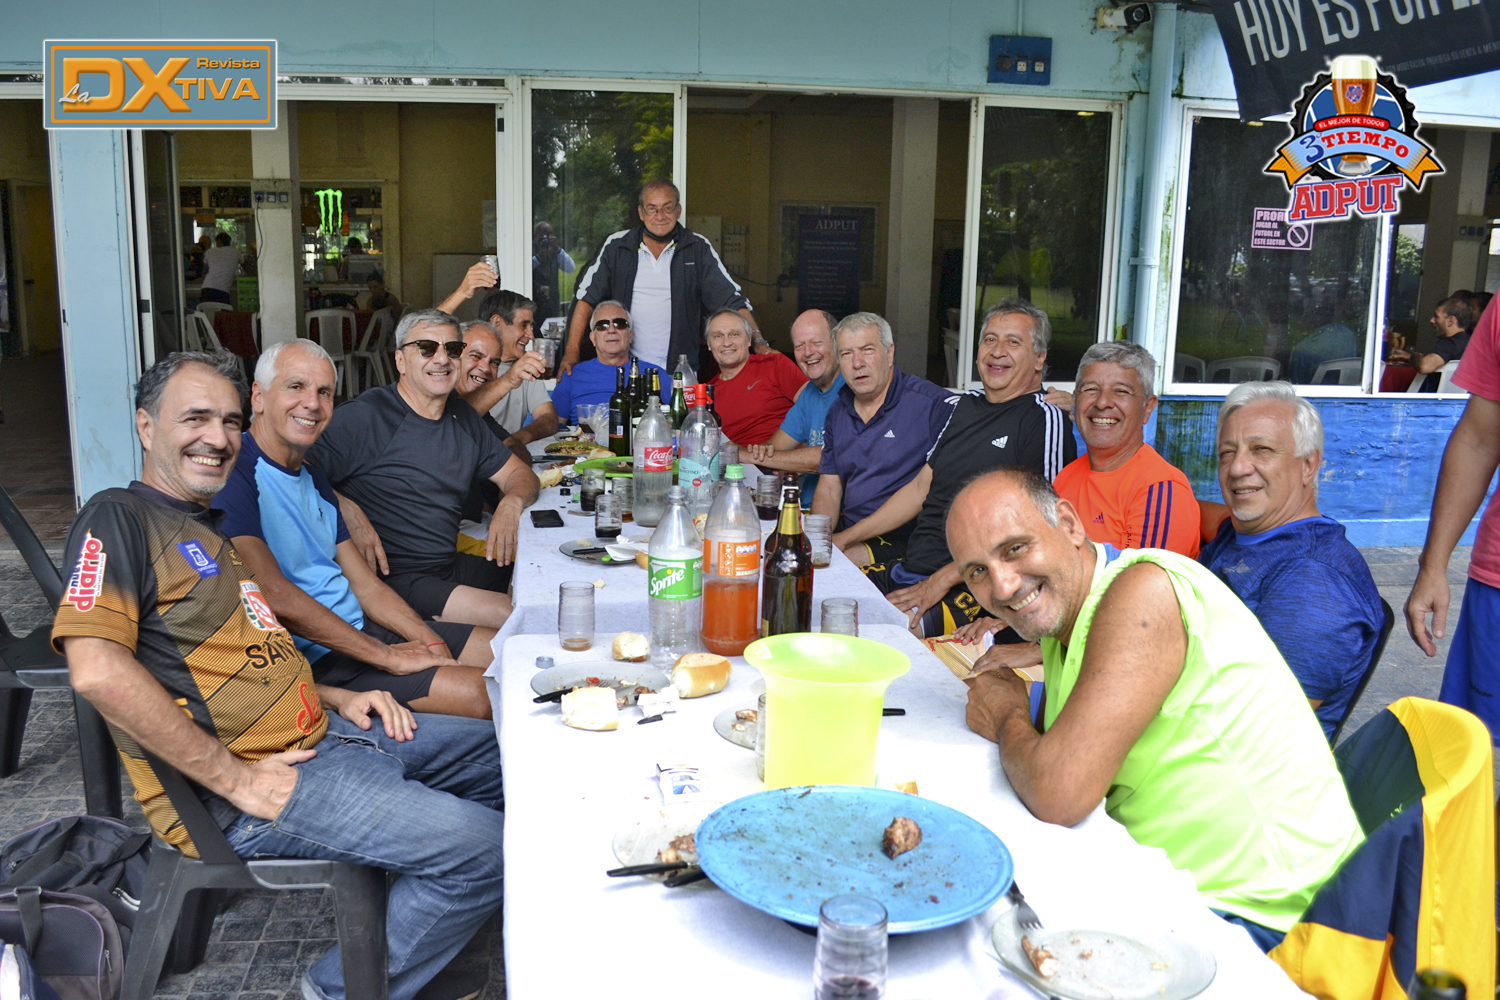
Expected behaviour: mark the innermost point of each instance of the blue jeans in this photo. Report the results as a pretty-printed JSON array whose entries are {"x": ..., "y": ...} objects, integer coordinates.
[{"x": 426, "y": 809}]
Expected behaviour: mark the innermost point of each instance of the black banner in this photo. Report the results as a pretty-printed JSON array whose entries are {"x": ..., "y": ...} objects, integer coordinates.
[
  {"x": 828, "y": 263},
  {"x": 1276, "y": 46}
]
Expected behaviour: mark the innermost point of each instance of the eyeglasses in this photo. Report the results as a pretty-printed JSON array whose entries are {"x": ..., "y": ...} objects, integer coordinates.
[
  {"x": 453, "y": 348},
  {"x": 666, "y": 209},
  {"x": 619, "y": 323}
]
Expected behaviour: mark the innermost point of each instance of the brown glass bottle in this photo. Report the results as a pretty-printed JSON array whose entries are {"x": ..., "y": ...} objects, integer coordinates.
[{"x": 787, "y": 587}]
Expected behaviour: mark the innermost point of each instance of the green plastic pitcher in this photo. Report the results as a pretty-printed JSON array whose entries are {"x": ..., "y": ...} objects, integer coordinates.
[{"x": 824, "y": 695}]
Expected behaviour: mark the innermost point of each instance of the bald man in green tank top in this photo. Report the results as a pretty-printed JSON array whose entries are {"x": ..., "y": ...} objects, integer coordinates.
[{"x": 1164, "y": 697}]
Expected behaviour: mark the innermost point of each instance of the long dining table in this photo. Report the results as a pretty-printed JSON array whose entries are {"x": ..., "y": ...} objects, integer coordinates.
[{"x": 572, "y": 931}]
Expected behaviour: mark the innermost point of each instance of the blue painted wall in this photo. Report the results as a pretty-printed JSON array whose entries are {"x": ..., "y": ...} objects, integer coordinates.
[{"x": 1380, "y": 459}]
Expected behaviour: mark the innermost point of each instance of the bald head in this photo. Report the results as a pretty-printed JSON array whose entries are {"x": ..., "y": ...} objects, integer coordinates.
[{"x": 1021, "y": 551}]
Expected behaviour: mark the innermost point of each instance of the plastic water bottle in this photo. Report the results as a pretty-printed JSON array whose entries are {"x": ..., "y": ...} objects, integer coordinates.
[
  {"x": 731, "y": 568},
  {"x": 674, "y": 582},
  {"x": 689, "y": 378},
  {"x": 698, "y": 466},
  {"x": 653, "y": 465}
]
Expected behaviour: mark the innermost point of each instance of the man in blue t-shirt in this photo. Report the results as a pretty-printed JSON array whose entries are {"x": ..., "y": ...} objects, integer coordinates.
[
  {"x": 1293, "y": 567},
  {"x": 797, "y": 446},
  {"x": 284, "y": 520},
  {"x": 593, "y": 381}
]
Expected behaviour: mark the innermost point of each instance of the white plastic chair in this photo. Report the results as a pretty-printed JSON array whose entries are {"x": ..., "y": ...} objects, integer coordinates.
[
  {"x": 1348, "y": 371},
  {"x": 209, "y": 308},
  {"x": 331, "y": 325},
  {"x": 199, "y": 335},
  {"x": 1186, "y": 368},
  {"x": 368, "y": 360},
  {"x": 950, "y": 355},
  {"x": 1244, "y": 369},
  {"x": 1445, "y": 380}
]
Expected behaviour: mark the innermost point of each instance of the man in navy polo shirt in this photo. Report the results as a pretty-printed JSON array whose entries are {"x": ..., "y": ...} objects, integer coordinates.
[{"x": 875, "y": 438}]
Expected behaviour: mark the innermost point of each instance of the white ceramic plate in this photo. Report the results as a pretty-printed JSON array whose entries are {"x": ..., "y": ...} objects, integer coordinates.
[{"x": 1106, "y": 965}]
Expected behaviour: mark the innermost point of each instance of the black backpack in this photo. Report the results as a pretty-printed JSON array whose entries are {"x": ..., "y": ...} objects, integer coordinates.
[
  {"x": 92, "y": 856},
  {"x": 60, "y": 945}
]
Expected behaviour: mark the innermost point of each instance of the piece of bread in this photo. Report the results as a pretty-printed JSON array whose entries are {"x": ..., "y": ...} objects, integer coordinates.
[
  {"x": 901, "y": 836},
  {"x": 643, "y": 559},
  {"x": 550, "y": 477},
  {"x": 593, "y": 708},
  {"x": 697, "y": 674},
  {"x": 631, "y": 646}
]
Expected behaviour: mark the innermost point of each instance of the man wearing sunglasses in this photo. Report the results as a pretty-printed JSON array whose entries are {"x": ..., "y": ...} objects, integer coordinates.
[
  {"x": 515, "y": 396},
  {"x": 667, "y": 276},
  {"x": 406, "y": 454},
  {"x": 593, "y": 381}
]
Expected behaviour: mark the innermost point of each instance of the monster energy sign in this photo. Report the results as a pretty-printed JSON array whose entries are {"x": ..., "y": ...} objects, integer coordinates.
[{"x": 330, "y": 210}]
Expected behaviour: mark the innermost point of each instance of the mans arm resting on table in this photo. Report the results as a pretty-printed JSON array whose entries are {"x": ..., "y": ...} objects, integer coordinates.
[
  {"x": 519, "y": 488},
  {"x": 308, "y": 618},
  {"x": 786, "y": 454},
  {"x": 544, "y": 422},
  {"x": 109, "y": 676},
  {"x": 1136, "y": 647}
]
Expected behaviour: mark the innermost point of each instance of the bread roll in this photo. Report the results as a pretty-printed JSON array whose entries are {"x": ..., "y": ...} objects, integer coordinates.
[
  {"x": 697, "y": 674},
  {"x": 631, "y": 646},
  {"x": 550, "y": 477},
  {"x": 591, "y": 708},
  {"x": 643, "y": 559}
]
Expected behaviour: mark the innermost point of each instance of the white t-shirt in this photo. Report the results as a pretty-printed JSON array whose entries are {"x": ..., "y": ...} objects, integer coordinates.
[
  {"x": 221, "y": 265},
  {"x": 514, "y": 406},
  {"x": 651, "y": 306}
]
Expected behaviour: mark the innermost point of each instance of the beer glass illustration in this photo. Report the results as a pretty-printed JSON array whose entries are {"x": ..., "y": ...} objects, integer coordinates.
[{"x": 1354, "y": 94}]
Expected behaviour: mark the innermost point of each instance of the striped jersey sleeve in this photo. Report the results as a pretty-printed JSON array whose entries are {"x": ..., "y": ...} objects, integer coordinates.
[{"x": 1165, "y": 516}]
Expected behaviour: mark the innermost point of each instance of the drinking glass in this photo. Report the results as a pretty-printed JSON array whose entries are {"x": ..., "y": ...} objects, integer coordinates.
[
  {"x": 851, "y": 956},
  {"x": 840, "y": 616},
  {"x": 547, "y": 349},
  {"x": 819, "y": 536},
  {"x": 593, "y": 422},
  {"x": 768, "y": 497},
  {"x": 729, "y": 454},
  {"x": 493, "y": 260},
  {"x": 624, "y": 488},
  {"x": 575, "y": 614},
  {"x": 593, "y": 485},
  {"x": 607, "y": 511},
  {"x": 760, "y": 738}
]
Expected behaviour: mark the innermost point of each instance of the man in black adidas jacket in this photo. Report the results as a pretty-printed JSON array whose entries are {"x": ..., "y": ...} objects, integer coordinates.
[{"x": 667, "y": 276}]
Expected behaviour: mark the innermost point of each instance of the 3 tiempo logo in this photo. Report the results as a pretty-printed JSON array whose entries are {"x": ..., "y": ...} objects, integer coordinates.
[
  {"x": 1354, "y": 145},
  {"x": 181, "y": 84},
  {"x": 87, "y": 581}
]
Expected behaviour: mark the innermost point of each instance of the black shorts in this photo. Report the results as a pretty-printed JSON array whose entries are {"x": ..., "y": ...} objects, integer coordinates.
[
  {"x": 343, "y": 671},
  {"x": 957, "y": 608},
  {"x": 214, "y": 295},
  {"x": 886, "y": 548},
  {"x": 428, "y": 593}
]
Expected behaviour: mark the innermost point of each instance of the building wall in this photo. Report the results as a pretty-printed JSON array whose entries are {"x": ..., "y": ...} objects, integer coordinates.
[
  {"x": 25, "y": 174},
  {"x": 447, "y": 170}
]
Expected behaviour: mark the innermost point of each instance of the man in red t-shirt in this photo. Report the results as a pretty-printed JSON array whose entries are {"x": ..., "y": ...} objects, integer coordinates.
[
  {"x": 752, "y": 392},
  {"x": 1471, "y": 679}
]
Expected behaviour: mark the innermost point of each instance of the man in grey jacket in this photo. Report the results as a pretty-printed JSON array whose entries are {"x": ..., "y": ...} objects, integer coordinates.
[{"x": 667, "y": 276}]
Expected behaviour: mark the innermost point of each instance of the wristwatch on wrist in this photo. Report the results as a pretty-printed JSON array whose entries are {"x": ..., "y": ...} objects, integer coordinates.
[{"x": 758, "y": 340}]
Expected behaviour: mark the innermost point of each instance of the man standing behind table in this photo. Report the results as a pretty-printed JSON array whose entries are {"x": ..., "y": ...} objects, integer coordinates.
[
  {"x": 592, "y": 382},
  {"x": 167, "y": 634},
  {"x": 1471, "y": 679},
  {"x": 284, "y": 519},
  {"x": 1452, "y": 320},
  {"x": 1007, "y": 423},
  {"x": 876, "y": 437},
  {"x": 797, "y": 446},
  {"x": 406, "y": 454},
  {"x": 667, "y": 276},
  {"x": 1164, "y": 697},
  {"x": 752, "y": 392},
  {"x": 1311, "y": 590},
  {"x": 1128, "y": 494}
]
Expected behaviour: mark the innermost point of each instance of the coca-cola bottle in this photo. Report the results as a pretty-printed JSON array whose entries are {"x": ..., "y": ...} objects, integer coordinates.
[{"x": 653, "y": 465}]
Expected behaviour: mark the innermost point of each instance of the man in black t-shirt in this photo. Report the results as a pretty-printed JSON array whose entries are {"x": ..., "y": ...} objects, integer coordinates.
[
  {"x": 1009, "y": 423},
  {"x": 407, "y": 454},
  {"x": 1453, "y": 320}
]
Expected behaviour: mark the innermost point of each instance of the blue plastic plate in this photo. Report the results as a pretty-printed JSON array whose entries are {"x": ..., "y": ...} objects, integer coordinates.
[{"x": 786, "y": 851}]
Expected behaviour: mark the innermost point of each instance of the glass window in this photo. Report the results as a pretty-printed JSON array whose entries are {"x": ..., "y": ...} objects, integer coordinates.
[
  {"x": 590, "y": 153},
  {"x": 1258, "y": 299},
  {"x": 1043, "y": 189}
]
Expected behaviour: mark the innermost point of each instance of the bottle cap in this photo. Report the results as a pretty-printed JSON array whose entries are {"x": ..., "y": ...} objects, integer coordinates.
[
  {"x": 734, "y": 472},
  {"x": 544, "y": 663},
  {"x": 675, "y": 494}
]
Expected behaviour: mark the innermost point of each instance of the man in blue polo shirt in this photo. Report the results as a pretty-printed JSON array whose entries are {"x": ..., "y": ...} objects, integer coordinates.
[
  {"x": 875, "y": 438},
  {"x": 1293, "y": 567},
  {"x": 593, "y": 381},
  {"x": 284, "y": 520},
  {"x": 798, "y": 445}
]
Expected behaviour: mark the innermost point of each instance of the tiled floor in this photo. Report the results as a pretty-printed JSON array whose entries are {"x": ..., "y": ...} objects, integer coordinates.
[{"x": 36, "y": 466}]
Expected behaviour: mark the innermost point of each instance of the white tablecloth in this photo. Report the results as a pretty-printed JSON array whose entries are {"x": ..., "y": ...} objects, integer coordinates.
[{"x": 570, "y": 931}]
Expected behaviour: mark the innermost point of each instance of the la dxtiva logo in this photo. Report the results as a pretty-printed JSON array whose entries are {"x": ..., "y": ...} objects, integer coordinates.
[
  {"x": 181, "y": 84},
  {"x": 1354, "y": 145}
]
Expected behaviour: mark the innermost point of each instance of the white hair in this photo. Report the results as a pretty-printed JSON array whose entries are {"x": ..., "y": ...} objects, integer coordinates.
[
  {"x": 265, "y": 368},
  {"x": 861, "y": 321},
  {"x": 1307, "y": 425}
]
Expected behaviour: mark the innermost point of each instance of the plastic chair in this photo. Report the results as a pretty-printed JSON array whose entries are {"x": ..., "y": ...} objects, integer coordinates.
[
  {"x": 28, "y": 662},
  {"x": 209, "y": 308},
  {"x": 1420, "y": 891},
  {"x": 1245, "y": 369},
  {"x": 1345, "y": 371},
  {"x": 1186, "y": 368},
  {"x": 331, "y": 327},
  {"x": 950, "y": 355},
  {"x": 368, "y": 361},
  {"x": 181, "y": 893},
  {"x": 1445, "y": 379},
  {"x": 201, "y": 334},
  {"x": 1364, "y": 678}
]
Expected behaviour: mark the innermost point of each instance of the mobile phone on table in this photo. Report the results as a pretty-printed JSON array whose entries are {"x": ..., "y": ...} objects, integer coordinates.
[{"x": 546, "y": 519}]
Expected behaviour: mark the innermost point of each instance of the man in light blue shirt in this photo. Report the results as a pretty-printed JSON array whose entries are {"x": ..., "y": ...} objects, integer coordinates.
[{"x": 797, "y": 446}]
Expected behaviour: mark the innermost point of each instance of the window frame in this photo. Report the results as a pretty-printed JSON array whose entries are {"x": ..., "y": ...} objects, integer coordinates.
[
  {"x": 1375, "y": 315},
  {"x": 1113, "y": 206}
]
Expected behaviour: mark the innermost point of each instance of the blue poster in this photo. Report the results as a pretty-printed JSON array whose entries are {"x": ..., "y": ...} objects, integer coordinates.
[{"x": 828, "y": 263}]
